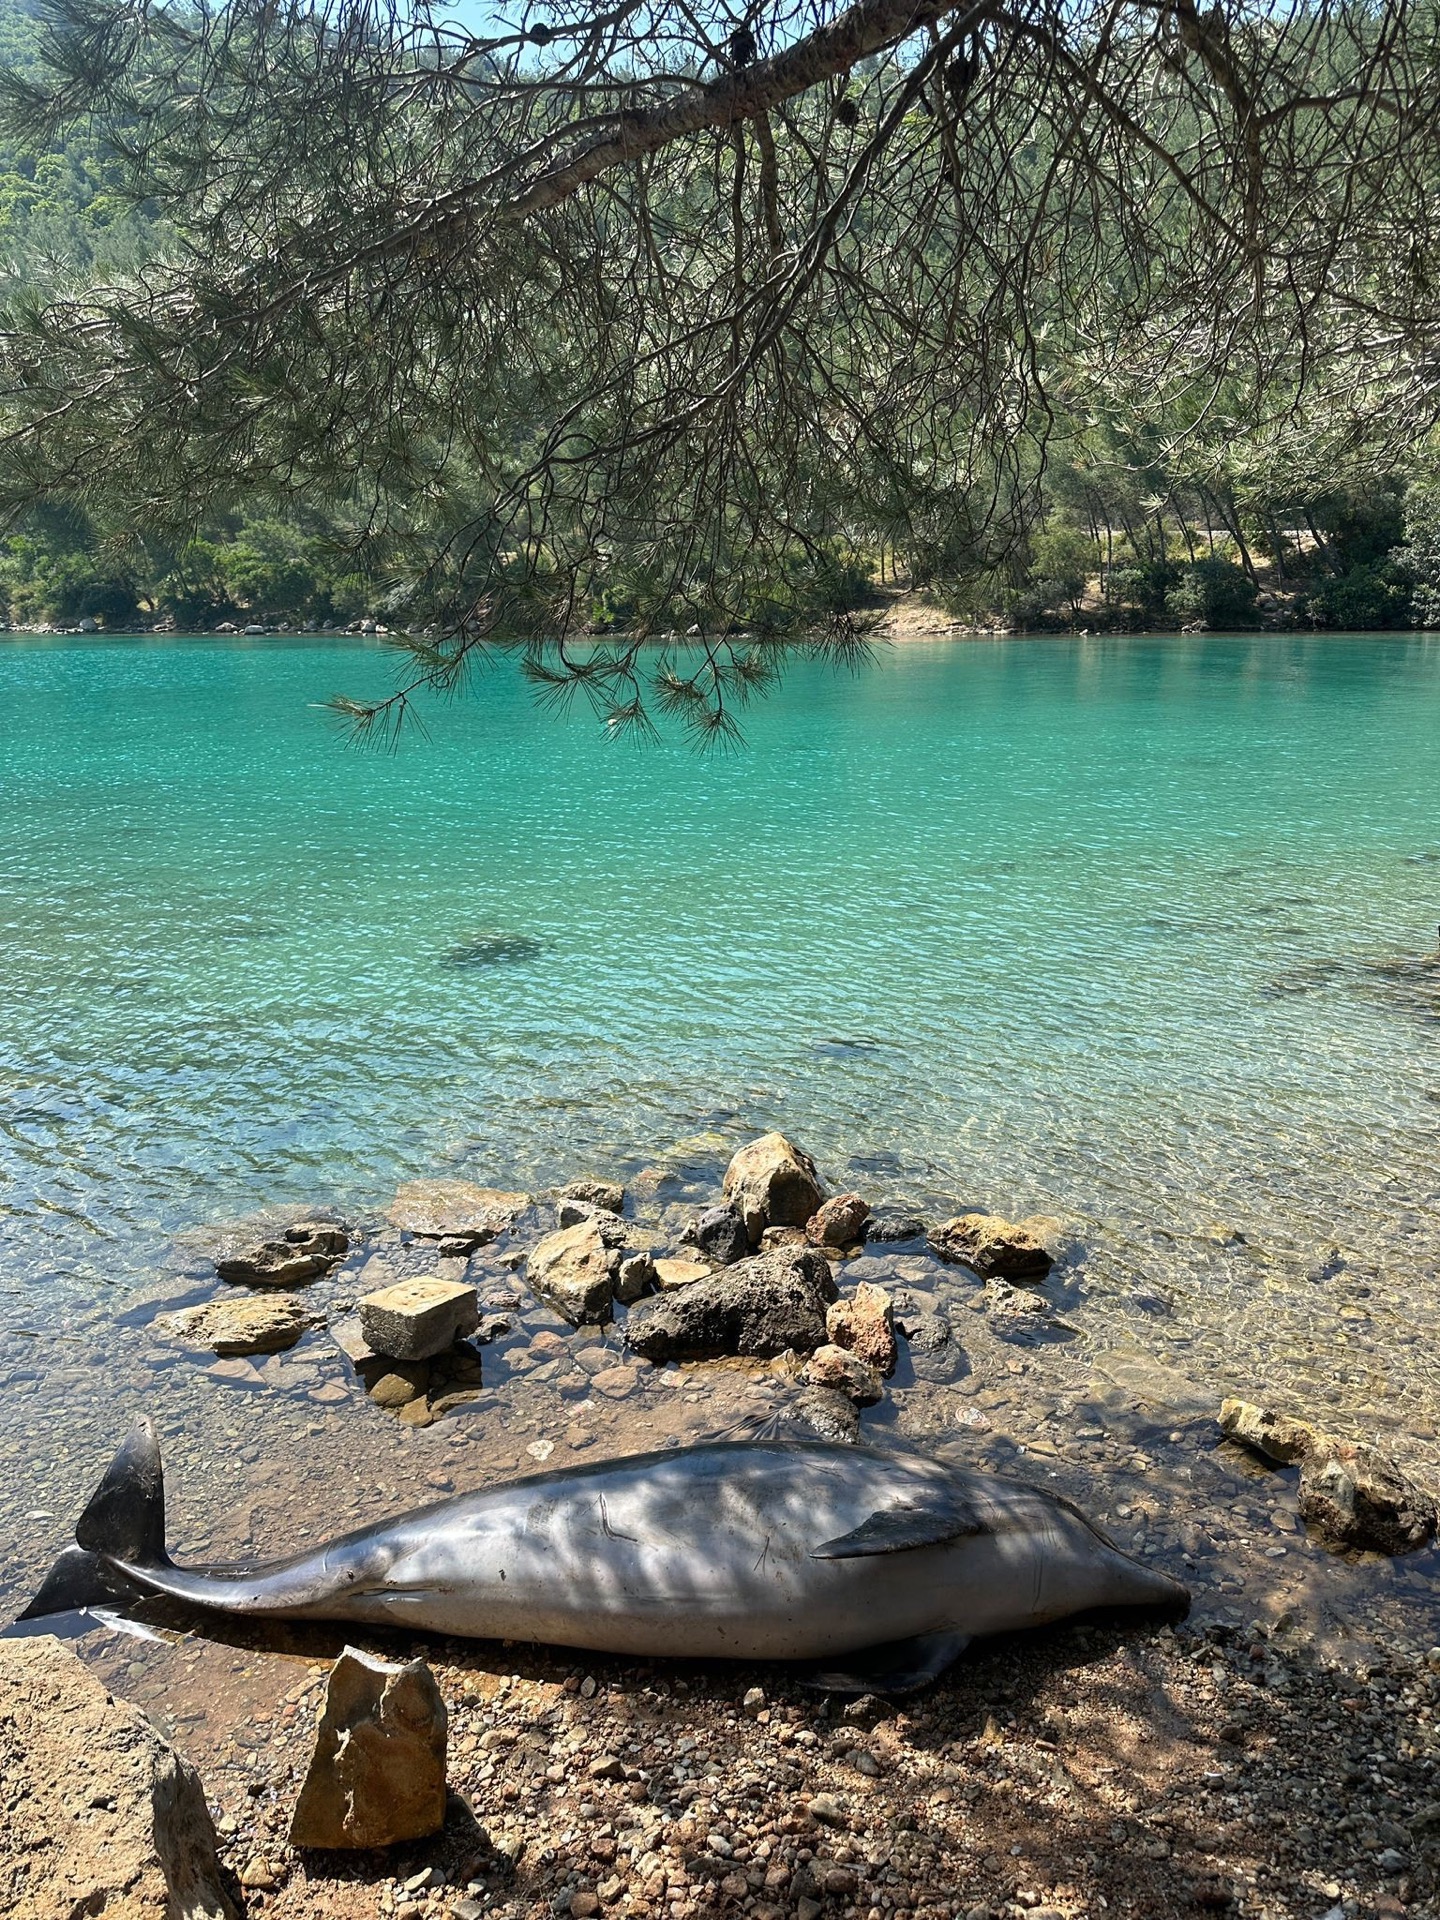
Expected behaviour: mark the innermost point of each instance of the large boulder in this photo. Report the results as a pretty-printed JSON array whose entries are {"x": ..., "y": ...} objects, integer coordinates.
[
  {"x": 455, "y": 1210},
  {"x": 104, "y": 1816},
  {"x": 264, "y": 1323},
  {"x": 771, "y": 1303},
  {"x": 1352, "y": 1496},
  {"x": 994, "y": 1248},
  {"x": 773, "y": 1183},
  {"x": 574, "y": 1271},
  {"x": 377, "y": 1775}
]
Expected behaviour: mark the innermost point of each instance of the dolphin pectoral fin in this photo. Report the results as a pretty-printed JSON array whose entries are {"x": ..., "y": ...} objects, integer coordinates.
[
  {"x": 897, "y": 1667},
  {"x": 897, "y": 1529}
]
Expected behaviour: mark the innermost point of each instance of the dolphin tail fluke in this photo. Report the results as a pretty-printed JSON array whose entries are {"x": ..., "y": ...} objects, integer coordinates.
[
  {"x": 125, "y": 1520},
  {"x": 80, "y": 1579}
]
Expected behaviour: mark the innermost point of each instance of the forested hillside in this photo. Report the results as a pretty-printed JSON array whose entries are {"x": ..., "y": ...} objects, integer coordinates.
[{"x": 1137, "y": 517}]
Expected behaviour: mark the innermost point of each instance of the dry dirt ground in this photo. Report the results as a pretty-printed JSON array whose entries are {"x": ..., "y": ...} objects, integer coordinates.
[{"x": 1088, "y": 1771}]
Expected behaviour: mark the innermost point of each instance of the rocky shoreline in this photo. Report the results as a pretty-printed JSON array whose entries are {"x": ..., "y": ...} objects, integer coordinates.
[{"x": 1201, "y": 1768}]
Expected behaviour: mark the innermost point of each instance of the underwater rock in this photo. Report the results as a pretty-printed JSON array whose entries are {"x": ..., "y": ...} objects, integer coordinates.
[
  {"x": 894, "y": 1223},
  {"x": 455, "y": 1210},
  {"x": 306, "y": 1250},
  {"x": 1276, "y": 1437},
  {"x": 834, "y": 1416},
  {"x": 493, "y": 950},
  {"x": 608, "y": 1195},
  {"x": 995, "y": 1248},
  {"x": 268, "y": 1324}
]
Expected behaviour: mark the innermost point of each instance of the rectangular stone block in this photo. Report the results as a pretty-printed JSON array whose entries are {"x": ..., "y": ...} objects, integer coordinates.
[{"x": 417, "y": 1318}]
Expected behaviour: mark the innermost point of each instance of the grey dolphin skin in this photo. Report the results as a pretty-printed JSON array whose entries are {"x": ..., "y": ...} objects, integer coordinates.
[{"x": 888, "y": 1563}]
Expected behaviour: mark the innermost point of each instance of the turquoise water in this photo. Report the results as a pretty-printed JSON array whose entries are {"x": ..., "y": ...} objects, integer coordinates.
[{"x": 1129, "y": 931}]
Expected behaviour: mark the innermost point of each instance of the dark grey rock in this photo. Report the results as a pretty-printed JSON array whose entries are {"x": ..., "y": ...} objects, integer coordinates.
[
  {"x": 765, "y": 1305},
  {"x": 720, "y": 1234},
  {"x": 893, "y": 1223},
  {"x": 831, "y": 1414}
]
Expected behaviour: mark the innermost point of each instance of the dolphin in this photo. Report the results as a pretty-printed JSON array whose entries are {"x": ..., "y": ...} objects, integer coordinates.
[{"x": 888, "y": 1563}]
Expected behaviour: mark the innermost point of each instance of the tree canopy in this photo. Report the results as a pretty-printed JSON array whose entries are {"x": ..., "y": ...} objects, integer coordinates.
[{"x": 672, "y": 304}]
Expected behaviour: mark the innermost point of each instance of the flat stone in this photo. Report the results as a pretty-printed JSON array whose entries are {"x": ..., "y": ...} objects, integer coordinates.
[
  {"x": 455, "y": 1210},
  {"x": 671, "y": 1275},
  {"x": 615, "y": 1382},
  {"x": 104, "y": 1816},
  {"x": 377, "y": 1775},
  {"x": 349, "y": 1336},
  {"x": 268, "y": 1324},
  {"x": 417, "y": 1318}
]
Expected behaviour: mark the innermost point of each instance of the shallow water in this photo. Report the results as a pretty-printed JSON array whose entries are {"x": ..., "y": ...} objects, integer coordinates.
[{"x": 1135, "y": 933}]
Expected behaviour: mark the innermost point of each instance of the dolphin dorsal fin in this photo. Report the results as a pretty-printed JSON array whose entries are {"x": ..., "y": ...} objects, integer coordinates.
[
  {"x": 920, "y": 1523},
  {"x": 125, "y": 1519}
]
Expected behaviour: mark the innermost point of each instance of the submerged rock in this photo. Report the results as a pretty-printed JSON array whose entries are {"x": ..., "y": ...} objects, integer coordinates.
[
  {"x": 455, "y": 1210},
  {"x": 893, "y": 1223},
  {"x": 1353, "y": 1496},
  {"x": 720, "y": 1235},
  {"x": 268, "y": 1324},
  {"x": 574, "y": 1271},
  {"x": 416, "y": 1319},
  {"x": 607, "y": 1195},
  {"x": 304, "y": 1252},
  {"x": 1275, "y": 1436},
  {"x": 104, "y": 1816},
  {"x": 377, "y": 1776},
  {"x": 768, "y": 1304},
  {"x": 840, "y": 1222},
  {"x": 995, "y": 1248},
  {"x": 772, "y": 1183},
  {"x": 864, "y": 1322}
]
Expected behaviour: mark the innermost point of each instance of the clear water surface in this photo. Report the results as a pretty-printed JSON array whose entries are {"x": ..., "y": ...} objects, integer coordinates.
[{"x": 1134, "y": 932}]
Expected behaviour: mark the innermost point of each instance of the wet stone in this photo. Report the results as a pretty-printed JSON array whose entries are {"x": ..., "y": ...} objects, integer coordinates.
[{"x": 417, "y": 1318}]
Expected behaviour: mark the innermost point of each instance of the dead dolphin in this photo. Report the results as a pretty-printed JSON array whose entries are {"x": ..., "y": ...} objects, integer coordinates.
[{"x": 738, "y": 1549}]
